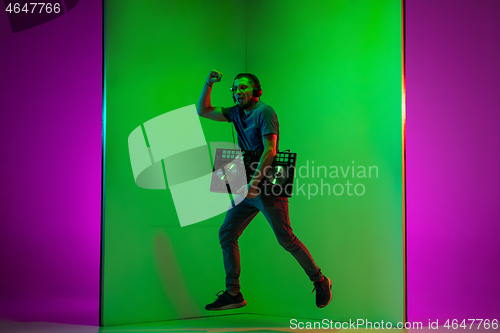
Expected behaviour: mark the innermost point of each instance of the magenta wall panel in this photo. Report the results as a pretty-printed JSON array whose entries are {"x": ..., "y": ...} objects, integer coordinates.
[
  {"x": 453, "y": 158},
  {"x": 50, "y": 87}
]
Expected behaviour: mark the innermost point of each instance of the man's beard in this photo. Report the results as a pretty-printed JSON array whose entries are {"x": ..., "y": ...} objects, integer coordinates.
[{"x": 246, "y": 105}]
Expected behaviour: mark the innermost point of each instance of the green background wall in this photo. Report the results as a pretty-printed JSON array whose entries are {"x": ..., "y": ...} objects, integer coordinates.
[{"x": 332, "y": 72}]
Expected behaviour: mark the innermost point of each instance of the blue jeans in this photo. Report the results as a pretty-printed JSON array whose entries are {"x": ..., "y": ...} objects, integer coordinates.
[{"x": 275, "y": 210}]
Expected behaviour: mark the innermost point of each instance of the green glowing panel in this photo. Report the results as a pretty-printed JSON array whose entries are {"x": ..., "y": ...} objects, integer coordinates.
[
  {"x": 332, "y": 73},
  {"x": 158, "y": 54}
]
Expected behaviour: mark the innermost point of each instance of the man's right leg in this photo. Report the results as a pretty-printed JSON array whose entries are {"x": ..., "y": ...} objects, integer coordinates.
[{"x": 236, "y": 220}]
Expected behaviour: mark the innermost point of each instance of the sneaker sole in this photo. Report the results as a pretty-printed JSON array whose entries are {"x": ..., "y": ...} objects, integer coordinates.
[
  {"x": 229, "y": 306},
  {"x": 329, "y": 286}
]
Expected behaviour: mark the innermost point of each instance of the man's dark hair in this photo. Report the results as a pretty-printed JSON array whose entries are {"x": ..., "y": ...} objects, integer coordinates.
[{"x": 248, "y": 76}]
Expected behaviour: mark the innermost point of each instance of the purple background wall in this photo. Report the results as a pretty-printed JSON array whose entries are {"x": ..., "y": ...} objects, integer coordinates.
[
  {"x": 50, "y": 83},
  {"x": 453, "y": 158},
  {"x": 50, "y": 86}
]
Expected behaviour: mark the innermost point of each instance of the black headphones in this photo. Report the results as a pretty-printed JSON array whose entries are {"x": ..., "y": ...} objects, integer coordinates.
[{"x": 257, "y": 90}]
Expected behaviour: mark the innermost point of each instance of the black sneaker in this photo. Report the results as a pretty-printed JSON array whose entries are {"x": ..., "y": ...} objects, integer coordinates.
[
  {"x": 226, "y": 302},
  {"x": 323, "y": 292}
]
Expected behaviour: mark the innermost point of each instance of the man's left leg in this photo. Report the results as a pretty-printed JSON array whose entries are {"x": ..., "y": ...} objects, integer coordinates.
[{"x": 275, "y": 209}]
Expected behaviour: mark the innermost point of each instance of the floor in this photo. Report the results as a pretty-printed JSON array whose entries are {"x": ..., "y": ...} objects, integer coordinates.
[{"x": 223, "y": 324}]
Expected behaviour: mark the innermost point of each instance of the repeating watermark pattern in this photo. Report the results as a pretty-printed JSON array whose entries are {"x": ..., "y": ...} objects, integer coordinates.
[
  {"x": 28, "y": 14},
  {"x": 454, "y": 324},
  {"x": 307, "y": 176},
  {"x": 170, "y": 149},
  {"x": 327, "y": 324},
  {"x": 333, "y": 180}
]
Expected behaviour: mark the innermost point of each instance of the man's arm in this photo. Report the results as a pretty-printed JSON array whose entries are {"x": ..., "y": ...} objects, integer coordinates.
[
  {"x": 266, "y": 159},
  {"x": 265, "y": 162},
  {"x": 205, "y": 108}
]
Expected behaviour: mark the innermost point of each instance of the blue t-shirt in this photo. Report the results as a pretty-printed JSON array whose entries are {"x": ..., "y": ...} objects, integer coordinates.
[{"x": 252, "y": 126}]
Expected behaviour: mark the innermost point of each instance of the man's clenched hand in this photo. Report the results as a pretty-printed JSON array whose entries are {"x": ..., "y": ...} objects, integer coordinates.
[{"x": 214, "y": 76}]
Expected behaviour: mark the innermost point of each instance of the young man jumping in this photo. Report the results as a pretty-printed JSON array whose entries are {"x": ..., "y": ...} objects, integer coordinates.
[{"x": 257, "y": 126}]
